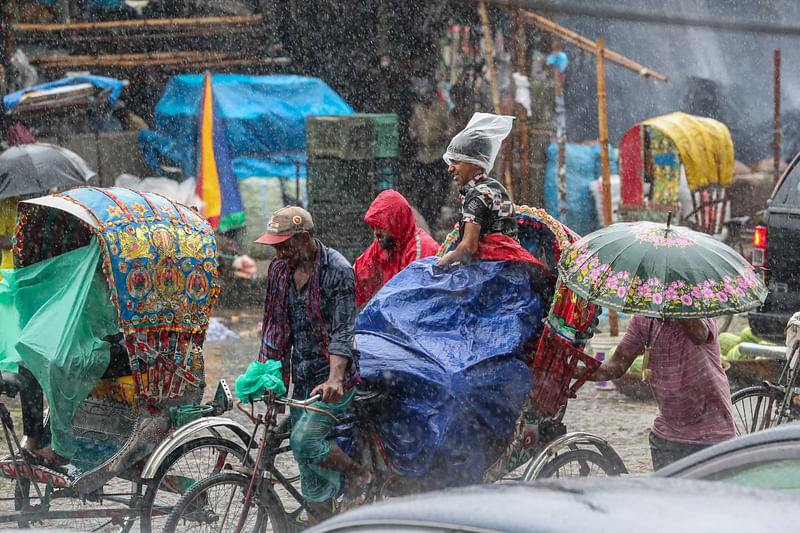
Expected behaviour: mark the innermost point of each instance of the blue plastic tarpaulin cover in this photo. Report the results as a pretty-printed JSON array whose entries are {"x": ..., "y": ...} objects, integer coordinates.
[
  {"x": 264, "y": 119},
  {"x": 583, "y": 167},
  {"x": 116, "y": 86},
  {"x": 447, "y": 345}
]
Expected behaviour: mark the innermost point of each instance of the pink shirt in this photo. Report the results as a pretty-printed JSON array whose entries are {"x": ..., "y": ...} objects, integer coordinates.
[{"x": 688, "y": 382}]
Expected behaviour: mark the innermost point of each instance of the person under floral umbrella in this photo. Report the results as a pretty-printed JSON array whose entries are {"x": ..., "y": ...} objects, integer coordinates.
[
  {"x": 673, "y": 280},
  {"x": 688, "y": 383}
]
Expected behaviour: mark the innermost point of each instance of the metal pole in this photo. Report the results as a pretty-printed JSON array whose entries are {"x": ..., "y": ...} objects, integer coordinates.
[
  {"x": 776, "y": 123},
  {"x": 602, "y": 129}
]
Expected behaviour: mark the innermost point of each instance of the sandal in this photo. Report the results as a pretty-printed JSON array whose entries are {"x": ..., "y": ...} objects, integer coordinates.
[
  {"x": 362, "y": 494},
  {"x": 35, "y": 458}
]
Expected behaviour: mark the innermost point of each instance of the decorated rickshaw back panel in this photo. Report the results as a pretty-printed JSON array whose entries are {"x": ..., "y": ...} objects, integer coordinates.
[{"x": 159, "y": 259}]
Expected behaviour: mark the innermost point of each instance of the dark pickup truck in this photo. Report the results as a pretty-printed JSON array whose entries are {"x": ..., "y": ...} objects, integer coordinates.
[{"x": 776, "y": 248}]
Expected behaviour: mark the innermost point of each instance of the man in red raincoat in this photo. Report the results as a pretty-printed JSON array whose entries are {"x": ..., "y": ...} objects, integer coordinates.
[{"x": 398, "y": 242}]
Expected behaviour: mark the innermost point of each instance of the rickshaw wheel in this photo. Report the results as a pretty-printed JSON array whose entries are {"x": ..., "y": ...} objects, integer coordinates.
[
  {"x": 193, "y": 461},
  {"x": 578, "y": 463},
  {"x": 216, "y": 504},
  {"x": 64, "y": 501}
]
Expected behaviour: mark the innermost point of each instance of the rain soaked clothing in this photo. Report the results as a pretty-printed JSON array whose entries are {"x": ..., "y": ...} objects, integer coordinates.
[
  {"x": 303, "y": 326},
  {"x": 688, "y": 382},
  {"x": 484, "y": 201},
  {"x": 391, "y": 212},
  {"x": 310, "y": 446}
]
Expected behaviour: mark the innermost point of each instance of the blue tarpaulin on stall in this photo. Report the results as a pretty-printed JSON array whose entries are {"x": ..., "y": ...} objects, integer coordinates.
[
  {"x": 264, "y": 118},
  {"x": 583, "y": 167},
  {"x": 448, "y": 346},
  {"x": 11, "y": 100}
]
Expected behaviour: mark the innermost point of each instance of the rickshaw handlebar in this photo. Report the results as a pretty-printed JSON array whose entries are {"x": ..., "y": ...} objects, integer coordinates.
[{"x": 299, "y": 403}]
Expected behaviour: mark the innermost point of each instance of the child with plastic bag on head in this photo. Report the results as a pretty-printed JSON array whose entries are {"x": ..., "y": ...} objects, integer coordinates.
[{"x": 487, "y": 226}]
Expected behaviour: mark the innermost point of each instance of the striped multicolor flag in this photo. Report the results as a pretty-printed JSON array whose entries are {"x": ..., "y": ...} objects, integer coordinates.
[{"x": 216, "y": 184}]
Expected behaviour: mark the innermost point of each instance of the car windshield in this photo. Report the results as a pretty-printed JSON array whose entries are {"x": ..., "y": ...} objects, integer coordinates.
[
  {"x": 777, "y": 475},
  {"x": 788, "y": 191}
]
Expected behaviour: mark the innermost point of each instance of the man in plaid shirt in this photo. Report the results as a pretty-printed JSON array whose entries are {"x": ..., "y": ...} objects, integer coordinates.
[{"x": 309, "y": 319}]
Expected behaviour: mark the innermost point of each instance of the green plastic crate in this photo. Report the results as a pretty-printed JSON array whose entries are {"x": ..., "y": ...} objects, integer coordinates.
[
  {"x": 342, "y": 227},
  {"x": 385, "y": 135},
  {"x": 339, "y": 181},
  {"x": 349, "y": 137}
]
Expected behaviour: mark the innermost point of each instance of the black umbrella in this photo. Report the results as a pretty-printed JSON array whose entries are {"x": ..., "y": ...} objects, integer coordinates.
[{"x": 39, "y": 167}]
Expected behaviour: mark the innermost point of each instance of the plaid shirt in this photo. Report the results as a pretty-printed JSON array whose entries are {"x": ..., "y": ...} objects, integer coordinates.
[{"x": 310, "y": 366}]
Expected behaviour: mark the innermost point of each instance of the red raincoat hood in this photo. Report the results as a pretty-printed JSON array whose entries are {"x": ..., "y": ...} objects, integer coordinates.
[{"x": 390, "y": 211}]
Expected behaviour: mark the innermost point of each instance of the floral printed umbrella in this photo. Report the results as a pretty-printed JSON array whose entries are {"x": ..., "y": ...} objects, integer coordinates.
[{"x": 649, "y": 269}]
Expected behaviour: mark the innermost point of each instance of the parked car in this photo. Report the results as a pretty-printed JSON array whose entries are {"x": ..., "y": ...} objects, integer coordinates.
[
  {"x": 767, "y": 459},
  {"x": 584, "y": 505},
  {"x": 776, "y": 248}
]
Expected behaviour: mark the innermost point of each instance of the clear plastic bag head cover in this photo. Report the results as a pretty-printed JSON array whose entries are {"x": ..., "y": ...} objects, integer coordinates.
[{"x": 480, "y": 141}]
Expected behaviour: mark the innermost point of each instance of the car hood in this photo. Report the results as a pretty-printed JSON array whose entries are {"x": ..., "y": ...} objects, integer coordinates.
[{"x": 587, "y": 505}]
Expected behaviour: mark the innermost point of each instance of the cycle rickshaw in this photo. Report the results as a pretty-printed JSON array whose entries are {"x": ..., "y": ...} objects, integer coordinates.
[
  {"x": 657, "y": 151},
  {"x": 265, "y": 498},
  {"x": 141, "y": 437}
]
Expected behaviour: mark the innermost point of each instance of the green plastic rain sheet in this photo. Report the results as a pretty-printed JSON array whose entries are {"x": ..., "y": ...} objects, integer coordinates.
[{"x": 53, "y": 317}]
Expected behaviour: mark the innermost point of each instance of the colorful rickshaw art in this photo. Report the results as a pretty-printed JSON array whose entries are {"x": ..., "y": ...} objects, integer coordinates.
[
  {"x": 654, "y": 154},
  {"x": 142, "y": 424}
]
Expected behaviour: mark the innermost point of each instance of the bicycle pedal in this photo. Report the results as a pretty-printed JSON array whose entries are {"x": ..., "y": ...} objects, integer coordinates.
[{"x": 239, "y": 468}]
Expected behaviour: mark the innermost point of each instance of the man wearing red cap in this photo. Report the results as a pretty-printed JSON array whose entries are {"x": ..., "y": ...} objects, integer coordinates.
[
  {"x": 398, "y": 242},
  {"x": 309, "y": 319}
]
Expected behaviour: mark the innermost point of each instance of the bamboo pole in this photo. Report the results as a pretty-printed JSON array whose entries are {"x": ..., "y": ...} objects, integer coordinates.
[
  {"x": 138, "y": 24},
  {"x": 170, "y": 64},
  {"x": 602, "y": 127},
  {"x": 776, "y": 121},
  {"x": 243, "y": 57},
  {"x": 162, "y": 34},
  {"x": 192, "y": 54},
  {"x": 587, "y": 45},
  {"x": 487, "y": 34},
  {"x": 523, "y": 113}
]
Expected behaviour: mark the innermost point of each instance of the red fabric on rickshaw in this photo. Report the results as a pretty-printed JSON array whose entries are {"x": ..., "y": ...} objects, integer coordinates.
[
  {"x": 497, "y": 247},
  {"x": 630, "y": 152}
]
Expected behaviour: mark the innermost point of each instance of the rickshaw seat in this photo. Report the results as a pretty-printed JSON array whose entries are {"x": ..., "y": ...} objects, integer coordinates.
[{"x": 10, "y": 384}]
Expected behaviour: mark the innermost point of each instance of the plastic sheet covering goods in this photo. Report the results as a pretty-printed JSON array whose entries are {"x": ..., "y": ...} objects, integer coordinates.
[{"x": 447, "y": 345}]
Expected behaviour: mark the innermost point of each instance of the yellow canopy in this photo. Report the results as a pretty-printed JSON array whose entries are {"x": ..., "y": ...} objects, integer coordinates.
[{"x": 705, "y": 146}]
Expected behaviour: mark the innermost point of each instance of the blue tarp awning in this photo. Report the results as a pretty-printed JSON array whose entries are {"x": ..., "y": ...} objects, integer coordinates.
[{"x": 264, "y": 119}]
